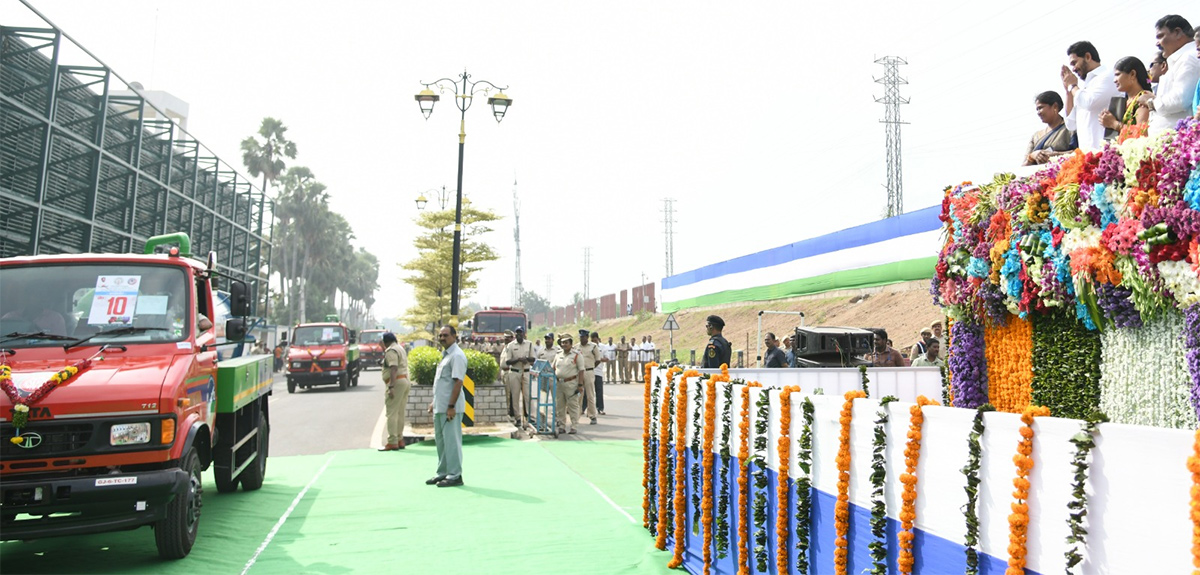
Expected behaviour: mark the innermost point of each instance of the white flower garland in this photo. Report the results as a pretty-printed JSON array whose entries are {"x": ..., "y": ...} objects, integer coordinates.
[{"x": 1143, "y": 375}]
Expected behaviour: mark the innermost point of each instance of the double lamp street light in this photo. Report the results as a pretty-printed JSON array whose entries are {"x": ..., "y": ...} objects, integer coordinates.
[{"x": 464, "y": 94}]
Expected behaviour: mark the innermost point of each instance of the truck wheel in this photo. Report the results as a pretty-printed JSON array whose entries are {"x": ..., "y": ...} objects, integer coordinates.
[
  {"x": 252, "y": 477},
  {"x": 344, "y": 381},
  {"x": 291, "y": 386},
  {"x": 176, "y": 533}
]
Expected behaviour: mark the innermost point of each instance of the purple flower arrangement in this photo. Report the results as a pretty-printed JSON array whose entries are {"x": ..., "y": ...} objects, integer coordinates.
[
  {"x": 968, "y": 367},
  {"x": 1191, "y": 346}
]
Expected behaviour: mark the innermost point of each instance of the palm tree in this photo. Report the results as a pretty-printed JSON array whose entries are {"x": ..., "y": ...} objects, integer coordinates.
[{"x": 265, "y": 157}]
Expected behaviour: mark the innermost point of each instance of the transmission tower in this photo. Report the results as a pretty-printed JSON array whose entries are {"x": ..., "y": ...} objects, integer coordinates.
[
  {"x": 518, "y": 289},
  {"x": 669, "y": 234},
  {"x": 587, "y": 271},
  {"x": 891, "y": 101}
]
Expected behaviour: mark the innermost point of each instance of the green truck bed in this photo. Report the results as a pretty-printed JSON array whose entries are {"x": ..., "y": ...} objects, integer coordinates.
[{"x": 242, "y": 380}]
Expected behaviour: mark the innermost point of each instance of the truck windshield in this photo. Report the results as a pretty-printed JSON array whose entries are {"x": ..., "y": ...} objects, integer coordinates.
[
  {"x": 41, "y": 305},
  {"x": 497, "y": 322},
  {"x": 318, "y": 335},
  {"x": 371, "y": 337}
]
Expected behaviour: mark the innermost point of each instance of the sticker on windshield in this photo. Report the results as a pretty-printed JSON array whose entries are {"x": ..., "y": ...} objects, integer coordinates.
[{"x": 115, "y": 300}]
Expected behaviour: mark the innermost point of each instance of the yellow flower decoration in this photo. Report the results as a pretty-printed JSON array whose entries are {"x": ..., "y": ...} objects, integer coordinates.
[{"x": 18, "y": 440}]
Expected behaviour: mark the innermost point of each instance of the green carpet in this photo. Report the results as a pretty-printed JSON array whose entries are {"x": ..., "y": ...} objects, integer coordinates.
[{"x": 527, "y": 507}]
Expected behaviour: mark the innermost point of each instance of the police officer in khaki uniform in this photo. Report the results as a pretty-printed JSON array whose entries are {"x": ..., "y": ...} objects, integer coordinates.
[
  {"x": 591, "y": 358},
  {"x": 623, "y": 360},
  {"x": 569, "y": 371},
  {"x": 396, "y": 386},
  {"x": 518, "y": 358}
]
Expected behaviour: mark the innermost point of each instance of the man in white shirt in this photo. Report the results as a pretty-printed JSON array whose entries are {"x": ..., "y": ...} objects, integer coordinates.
[
  {"x": 1089, "y": 88},
  {"x": 649, "y": 349},
  {"x": 1177, "y": 86},
  {"x": 610, "y": 367}
]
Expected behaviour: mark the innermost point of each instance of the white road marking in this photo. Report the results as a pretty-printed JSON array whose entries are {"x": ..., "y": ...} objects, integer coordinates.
[
  {"x": 287, "y": 513},
  {"x": 377, "y": 433},
  {"x": 612, "y": 503}
]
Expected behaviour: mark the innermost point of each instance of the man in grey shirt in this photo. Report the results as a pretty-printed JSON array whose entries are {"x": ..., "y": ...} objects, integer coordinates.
[{"x": 447, "y": 407}]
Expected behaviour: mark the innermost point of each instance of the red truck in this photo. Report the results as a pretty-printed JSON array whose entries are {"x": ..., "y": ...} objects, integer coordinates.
[
  {"x": 370, "y": 347},
  {"x": 323, "y": 353},
  {"x": 114, "y": 399}
]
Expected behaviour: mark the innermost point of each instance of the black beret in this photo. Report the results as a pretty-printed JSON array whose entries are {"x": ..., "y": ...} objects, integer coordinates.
[{"x": 716, "y": 321}]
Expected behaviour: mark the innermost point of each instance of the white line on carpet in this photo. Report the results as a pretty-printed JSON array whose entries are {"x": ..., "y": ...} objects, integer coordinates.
[
  {"x": 597, "y": 489},
  {"x": 377, "y": 433},
  {"x": 287, "y": 513}
]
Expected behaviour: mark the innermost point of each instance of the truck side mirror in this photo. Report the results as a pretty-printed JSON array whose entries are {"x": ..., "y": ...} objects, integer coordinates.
[
  {"x": 353, "y": 336},
  {"x": 235, "y": 329},
  {"x": 239, "y": 303}
]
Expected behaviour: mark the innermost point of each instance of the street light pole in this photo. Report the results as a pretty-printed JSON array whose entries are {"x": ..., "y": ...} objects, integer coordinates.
[{"x": 463, "y": 97}]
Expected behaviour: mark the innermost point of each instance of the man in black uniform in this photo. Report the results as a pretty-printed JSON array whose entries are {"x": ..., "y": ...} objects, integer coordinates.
[{"x": 718, "y": 351}]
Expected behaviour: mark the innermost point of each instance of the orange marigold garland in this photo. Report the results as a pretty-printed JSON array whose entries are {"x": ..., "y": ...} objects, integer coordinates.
[
  {"x": 1193, "y": 465},
  {"x": 664, "y": 459},
  {"x": 681, "y": 469},
  {"x": 908, "y": 505},
  {"x": 1009, "y": 355},
  {"x": 744, "y": 482},
  {"x": 841, "y": 511},
  {"x": 1018, "y": 522},
  {"x": 783, "y": 445},
  {"x": 647, "y": 484},
  {"x": 706, "y": 499}
]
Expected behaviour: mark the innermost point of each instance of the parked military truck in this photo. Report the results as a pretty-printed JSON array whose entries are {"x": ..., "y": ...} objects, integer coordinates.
[
  {"x": 114, "y": 399},
  {"x": 323, "y": 353}
]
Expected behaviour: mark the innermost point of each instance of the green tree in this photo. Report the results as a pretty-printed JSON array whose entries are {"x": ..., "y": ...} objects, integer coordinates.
[
  {"x": 431, "y": 272},
  {"x": 534, "y": 303},
  {"x": 265, "y": 157}
]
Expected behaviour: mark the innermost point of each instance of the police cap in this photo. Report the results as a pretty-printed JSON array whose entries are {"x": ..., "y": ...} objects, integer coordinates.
[
  {"x": 583, "y": 333},
  {"x": 565, "y": 337},
  {"x": 519, "y": 329},
  {"x": 550, "y": 335},
  {"x": 716, "y": 321},
  {"x": 508, "y": 333}
]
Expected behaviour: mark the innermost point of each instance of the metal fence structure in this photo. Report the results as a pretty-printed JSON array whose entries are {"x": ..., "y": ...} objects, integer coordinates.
[
  {"x": 86, "y": 165},
  {"x": 601, "y": 308}
]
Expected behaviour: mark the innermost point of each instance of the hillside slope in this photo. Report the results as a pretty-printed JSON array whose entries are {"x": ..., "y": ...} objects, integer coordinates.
[{"x": 901, "y": 309}]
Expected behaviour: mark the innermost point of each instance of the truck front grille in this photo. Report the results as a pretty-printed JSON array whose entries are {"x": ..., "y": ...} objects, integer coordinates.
[{"x": 49, "y": 439}]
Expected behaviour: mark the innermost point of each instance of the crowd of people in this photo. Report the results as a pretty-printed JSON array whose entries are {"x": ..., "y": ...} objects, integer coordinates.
[{"x": 1126, "y": 100}]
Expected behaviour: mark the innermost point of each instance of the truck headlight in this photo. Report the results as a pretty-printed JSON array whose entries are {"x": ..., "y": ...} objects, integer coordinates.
[
  {"x": 296, "y": 364},
  {"x": 129, "y": 433},
  {"x": 335, "y": 363}
]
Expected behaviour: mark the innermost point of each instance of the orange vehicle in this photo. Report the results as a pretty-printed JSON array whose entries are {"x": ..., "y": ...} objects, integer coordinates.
[
  {"x": 322, "y": 353},
  {"x": 114, "y": 399},
  {"x": 370, "y": 347}
]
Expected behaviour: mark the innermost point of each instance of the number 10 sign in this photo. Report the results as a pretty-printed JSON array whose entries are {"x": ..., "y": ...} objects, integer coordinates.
[{"x": 114, "y": 300}]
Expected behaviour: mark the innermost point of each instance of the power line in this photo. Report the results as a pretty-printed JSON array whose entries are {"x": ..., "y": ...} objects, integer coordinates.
[
  {"x": 669, "y": 234},
  {"x": 587, "y": 271},
  {"x": 518, "y": 289},
  {"x": 891, "y": 101}
]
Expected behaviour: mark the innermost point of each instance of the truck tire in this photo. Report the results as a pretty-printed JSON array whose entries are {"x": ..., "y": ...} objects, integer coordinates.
[
  {"x": 291, "y": 386},
  {"x": 176, "y": 533},
  {"x": 252, "y": 477},
  {"x": 224, "y": 477},
  {"x": 344, "y": 381}
]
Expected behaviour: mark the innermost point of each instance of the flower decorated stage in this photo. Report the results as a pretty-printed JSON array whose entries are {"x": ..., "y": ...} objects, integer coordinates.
[{"x": 1061, "y": 439}]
